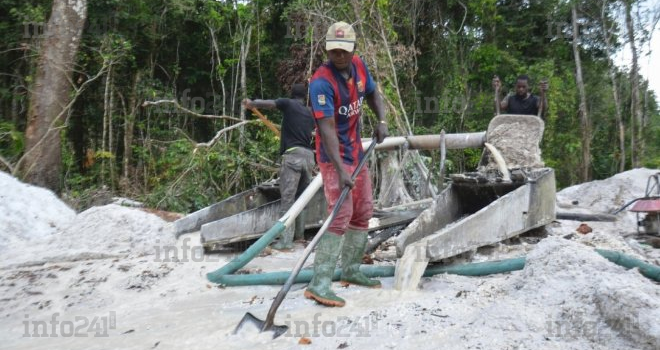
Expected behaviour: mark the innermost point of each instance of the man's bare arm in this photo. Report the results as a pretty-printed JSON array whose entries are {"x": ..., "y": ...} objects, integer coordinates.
[
  {"x": 504, "y": 104},
  {"x": 267, "y": 104},
  {"x": 375, "y": 102},
  {"x": 543, "y": 88},
  {"x": 497, "y": 85}
]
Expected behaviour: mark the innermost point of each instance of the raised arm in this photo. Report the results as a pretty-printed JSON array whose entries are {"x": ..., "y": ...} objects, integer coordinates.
[
  {"x": 267, "y": 104},
  {"x": 504, "y": 103},
  {"x": 543, "y": 88}
]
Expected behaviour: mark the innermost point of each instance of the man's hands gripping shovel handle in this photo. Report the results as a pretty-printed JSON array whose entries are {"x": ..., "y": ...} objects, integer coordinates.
[{"x": 268, "y": 323}]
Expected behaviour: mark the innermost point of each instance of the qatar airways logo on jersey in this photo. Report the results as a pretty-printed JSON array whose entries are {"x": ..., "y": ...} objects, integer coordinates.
[{"x": 352, "y": 109}]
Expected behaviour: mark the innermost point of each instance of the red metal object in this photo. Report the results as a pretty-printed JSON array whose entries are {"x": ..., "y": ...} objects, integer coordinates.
[{"x": 646, "y": 206}]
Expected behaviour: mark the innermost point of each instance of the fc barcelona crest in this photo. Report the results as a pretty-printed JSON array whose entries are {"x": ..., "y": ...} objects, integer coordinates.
[{"x": 360, "y": 86}]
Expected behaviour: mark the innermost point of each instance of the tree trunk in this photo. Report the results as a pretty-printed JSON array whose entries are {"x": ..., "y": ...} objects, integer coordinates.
[
  {"x": 16, "y": 105},
  {"x": 50, "y": 94},
  {"x": 615, "y": 91},
  {"x": 619, "y": 122},
  {"x": 584, "y": 114},
  {"x": 392, "y": 188},
  {"x": 635, "y": 108},
  {"x": 215, "y": 74},
  {"x": 111, "y": 147},
  {"x": 129, "y": 123},
  {"x": 245, "y": 47},
  {"x": 104, "y": 133}
]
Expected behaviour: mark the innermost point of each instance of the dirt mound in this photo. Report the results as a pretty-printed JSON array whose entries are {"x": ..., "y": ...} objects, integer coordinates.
[
  {"x": 587, "y": 296},
  {"x": 29, "y": 213},
  {"x": 606, "y": 195},
  {"x": 98, "y": 233}
]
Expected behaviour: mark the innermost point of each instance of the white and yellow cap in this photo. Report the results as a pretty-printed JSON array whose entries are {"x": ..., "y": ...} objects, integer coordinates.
[{"x": 340, "y": 35}]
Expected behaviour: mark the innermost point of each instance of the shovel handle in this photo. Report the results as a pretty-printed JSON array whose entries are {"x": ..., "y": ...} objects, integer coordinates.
[
  {"x": 265, "y": 120},
  {"x": 540, "y": 111},
  {"x": 308, "y": 250},
  {"x": 497, "y": 100}
]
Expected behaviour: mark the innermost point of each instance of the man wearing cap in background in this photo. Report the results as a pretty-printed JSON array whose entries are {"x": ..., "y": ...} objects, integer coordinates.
[
  {"x": 337, "y": 91},
  {"x": 297, "y": 155}
]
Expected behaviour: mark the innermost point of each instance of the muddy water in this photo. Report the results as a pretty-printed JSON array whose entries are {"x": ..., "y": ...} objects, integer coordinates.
[{"x": 410, "y": 268}]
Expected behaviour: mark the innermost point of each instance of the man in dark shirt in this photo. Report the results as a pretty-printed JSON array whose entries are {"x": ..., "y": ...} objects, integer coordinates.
[
  {"x": 523, "y": 102},
  {"x": 297, "y": 154}
]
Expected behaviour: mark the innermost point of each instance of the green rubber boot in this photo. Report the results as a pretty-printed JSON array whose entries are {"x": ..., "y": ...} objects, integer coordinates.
[
  {"x": 351, "y": 258},
  {"x": 285, "y": 243},
  {"x": 325, "y": 262}
]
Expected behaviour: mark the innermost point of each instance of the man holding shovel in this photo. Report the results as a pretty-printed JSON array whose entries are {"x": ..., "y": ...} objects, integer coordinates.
[
  {"x": 522, "y": 102},
  {"x": 337, "y": 92},
  {"x": 297, "y": 155}
]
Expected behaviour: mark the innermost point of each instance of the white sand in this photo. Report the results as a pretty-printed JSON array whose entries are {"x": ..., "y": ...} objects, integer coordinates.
[
  {"x": 567, "y": 297},
  {"x": 28, "y": 212},
  {"x": 109, "y": 231},
  {"x": 606, "y": 195}
]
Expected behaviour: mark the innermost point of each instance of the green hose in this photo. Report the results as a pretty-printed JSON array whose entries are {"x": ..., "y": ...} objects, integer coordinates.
[
  {"x": 279, "y": 227},
  {"x": 247, "y": 255},
  {"x": 475, "y": 269},
  {"x": 478, "y": 269},
  {"x": 649, "y": 270},
  {"x": 305, "y": 275}
]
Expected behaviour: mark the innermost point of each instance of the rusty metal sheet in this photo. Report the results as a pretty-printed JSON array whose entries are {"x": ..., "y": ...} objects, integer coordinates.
[{"x": 647, "y": 206}]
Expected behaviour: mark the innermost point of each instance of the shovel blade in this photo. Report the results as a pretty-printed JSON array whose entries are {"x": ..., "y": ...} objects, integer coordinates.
[{"x": 250, "y": 319}]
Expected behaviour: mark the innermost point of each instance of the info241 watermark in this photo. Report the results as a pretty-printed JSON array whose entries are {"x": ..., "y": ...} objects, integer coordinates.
[
  {"x": 80, "y": 326},
  {"x": 579, "y": 325},
  {"x": 342, "y": 326}
]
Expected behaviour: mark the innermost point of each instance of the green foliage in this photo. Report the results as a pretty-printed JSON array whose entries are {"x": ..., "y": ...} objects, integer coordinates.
[
  {"x": 489, "y": 61},
  {"x": 186, "y": 178},
  {"x": 12, "y": 141},
  {"x": 445, "y": 51}
]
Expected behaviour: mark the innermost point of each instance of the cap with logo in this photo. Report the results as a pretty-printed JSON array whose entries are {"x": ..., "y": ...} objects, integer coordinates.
[{"x": 340, "y": 35}]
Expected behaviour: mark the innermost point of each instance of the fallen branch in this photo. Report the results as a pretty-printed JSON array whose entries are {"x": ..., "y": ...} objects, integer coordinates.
[
  {"x": 179, "y": 107},
  {"x": 217, "y": 136},
  {"x": 7, "y": 165}
]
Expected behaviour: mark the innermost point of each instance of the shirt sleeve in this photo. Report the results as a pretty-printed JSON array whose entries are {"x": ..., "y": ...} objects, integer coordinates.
[
  {"x": 321, "y": 96},
  {"x": 370, "y": 85},
  {"x": 281, "y": 103}
]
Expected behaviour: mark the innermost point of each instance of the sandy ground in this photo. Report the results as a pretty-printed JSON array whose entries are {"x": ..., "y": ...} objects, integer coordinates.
[{"x": 113, "y": 277}]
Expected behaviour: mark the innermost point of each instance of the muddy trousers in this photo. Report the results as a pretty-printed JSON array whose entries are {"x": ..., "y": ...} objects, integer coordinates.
[{"x": 295, "y": 176}]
